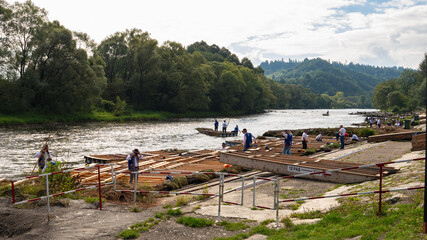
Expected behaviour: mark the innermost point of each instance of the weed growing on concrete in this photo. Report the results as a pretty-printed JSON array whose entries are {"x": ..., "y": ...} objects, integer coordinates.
[
  {"x": 174, "y": 212},
  {"x": 195, "y": 222},
  {"x": 229, "y": 226}
]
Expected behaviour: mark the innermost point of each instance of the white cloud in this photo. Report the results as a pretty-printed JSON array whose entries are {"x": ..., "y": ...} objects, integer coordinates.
[{"x": 395, "y": 34}]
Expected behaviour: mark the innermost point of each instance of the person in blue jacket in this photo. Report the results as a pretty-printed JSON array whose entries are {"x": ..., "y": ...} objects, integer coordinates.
[
  {"x": 133, "y": 163},
  {"x": 288, "y": 142},
  {"x": 216, "y": 125},
  {"x": 247, "y": 139}
]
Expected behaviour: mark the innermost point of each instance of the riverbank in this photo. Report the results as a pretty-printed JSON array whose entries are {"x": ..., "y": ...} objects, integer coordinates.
[{"x": 100, "y": 116}]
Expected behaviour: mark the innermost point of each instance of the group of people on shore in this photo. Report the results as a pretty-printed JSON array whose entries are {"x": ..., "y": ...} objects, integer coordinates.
[
  {"x": 288, "y": 139},
  {"x": 396, "y": 121}
]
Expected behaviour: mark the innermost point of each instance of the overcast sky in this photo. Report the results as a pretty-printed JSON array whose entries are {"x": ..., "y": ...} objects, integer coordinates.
[{"x": 381, "y": 32}]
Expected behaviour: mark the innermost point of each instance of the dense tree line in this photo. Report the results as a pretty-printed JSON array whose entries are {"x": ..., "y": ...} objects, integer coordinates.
[
  {"x": 405, "y": 93},
  {"x": 356, "y": 81},
  {"x": 46, "y": 68}
]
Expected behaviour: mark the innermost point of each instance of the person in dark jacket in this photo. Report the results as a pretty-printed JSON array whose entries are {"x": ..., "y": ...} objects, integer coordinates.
[{"x": 133, "y": 164}]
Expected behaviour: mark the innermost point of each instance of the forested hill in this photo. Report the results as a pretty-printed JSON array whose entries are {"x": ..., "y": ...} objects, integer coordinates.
[{"x": 356, "y": 81}]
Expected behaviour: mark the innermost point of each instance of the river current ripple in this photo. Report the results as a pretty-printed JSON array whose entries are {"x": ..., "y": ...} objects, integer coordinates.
[{"x": 70, "y": 143}]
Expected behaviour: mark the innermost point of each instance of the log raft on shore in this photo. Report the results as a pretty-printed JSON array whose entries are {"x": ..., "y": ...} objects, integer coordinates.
[{"x": 265, "y": 155}]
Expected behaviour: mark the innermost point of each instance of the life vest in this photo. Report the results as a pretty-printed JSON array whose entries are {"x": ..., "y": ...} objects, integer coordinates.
[
  {"x": 248, "y": 139},
  {"x": 288, "y": 140}
]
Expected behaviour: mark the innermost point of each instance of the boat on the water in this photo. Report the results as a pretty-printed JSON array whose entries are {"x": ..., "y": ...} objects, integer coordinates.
[{"x": 214, "y": 133}]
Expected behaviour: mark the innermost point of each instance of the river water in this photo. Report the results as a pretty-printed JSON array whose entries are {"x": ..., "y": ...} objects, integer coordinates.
[{"x": 70, "y": 143}]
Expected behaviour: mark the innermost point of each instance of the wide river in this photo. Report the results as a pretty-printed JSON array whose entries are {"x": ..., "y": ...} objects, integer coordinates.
[{"x": 70, "y": 143}]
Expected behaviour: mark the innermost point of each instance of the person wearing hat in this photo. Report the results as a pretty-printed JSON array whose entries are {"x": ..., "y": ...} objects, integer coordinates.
[
  {"x": 44, "y": 157},
  {"x": 133, "y": 161}
]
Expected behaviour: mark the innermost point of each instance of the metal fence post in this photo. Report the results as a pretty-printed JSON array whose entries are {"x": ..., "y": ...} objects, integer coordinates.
[
  {"x": 112, "y": 175},
  {"x": 253, "y": 194},
  {"x": 381, "y": 190},
  {"x": 99, "y": 188},
  {"x": 13, "y": 191},
  {"x": 47, "y": 195},
  {"x": 276, "y": 200},
  {"x": 134, "y": 193},
  {"x": 114, "y": 181},
  {"x": 243, "y": 187},
  {"x": 220, "y": 195}
]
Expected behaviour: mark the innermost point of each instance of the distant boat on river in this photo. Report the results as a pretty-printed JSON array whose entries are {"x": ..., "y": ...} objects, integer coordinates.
[
  {"x": 326, "y": 114},
  {"x": 214, "y": 133}
]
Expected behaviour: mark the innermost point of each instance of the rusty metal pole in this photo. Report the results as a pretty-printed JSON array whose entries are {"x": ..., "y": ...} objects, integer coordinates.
[
  {"x": 381, "y": 189},
  {"x": 99, "y": 188},
  {"x": 13, "y": 192}
]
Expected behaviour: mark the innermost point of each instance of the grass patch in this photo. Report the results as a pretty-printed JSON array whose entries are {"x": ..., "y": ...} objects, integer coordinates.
[
  {"x": 174, "y": 212},
  {"x": 355, "y": 218},
  {"x": 195, "y": 222},
  {"x": 233, "y": 226},
  {"x": 159, "y": 215},
  {"x": 265, "y": 222},
  {"x": 91, "y": 200},
  {"x": 128, "y": 234},
  {"x": 308, "y": 215}
]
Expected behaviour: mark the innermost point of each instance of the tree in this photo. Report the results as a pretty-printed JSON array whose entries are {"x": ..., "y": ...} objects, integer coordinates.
[
  {"x": 247, "y": 63},
  {"x": 19, "y": 29}
]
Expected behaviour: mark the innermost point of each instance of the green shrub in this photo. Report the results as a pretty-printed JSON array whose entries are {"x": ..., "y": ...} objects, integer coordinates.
[
  {"x": 128, "y": 234},
  {"x": 195, "y": 222},
  {"x": 366, "y": 132},
  {"x": 183, "y": 200},
  {"x": 158, "y": 215},
  {"x": 309, "y": 151},
  {"x": 233, "y": 226},
  {"x": 174, "y": 212},
  {"x": 334, "y": 145},
  {"x": 265, "y": 222},
  {"x": 181, "y": 181}
]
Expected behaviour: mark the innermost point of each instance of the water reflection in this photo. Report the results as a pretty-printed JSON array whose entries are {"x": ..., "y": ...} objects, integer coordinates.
[{"x": 70, "y": 143}]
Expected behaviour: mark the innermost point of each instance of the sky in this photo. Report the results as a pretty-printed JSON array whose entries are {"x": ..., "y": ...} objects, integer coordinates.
[{"x": 380, "y": 32}]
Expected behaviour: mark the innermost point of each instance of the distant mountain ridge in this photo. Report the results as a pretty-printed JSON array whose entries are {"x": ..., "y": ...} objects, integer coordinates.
[{"x": 323, "y": 77}]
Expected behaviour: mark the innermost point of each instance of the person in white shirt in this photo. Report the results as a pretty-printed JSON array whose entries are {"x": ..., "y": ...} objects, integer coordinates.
[
  {"x": 304, "y": 139},
  {"x": 354, "y": 137},
  {"x": 342, "y": 136},
  {"x": 224, "y": 126},
  {"x": 223, "y": 147},
  {"x": 319, "y": 137}
]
